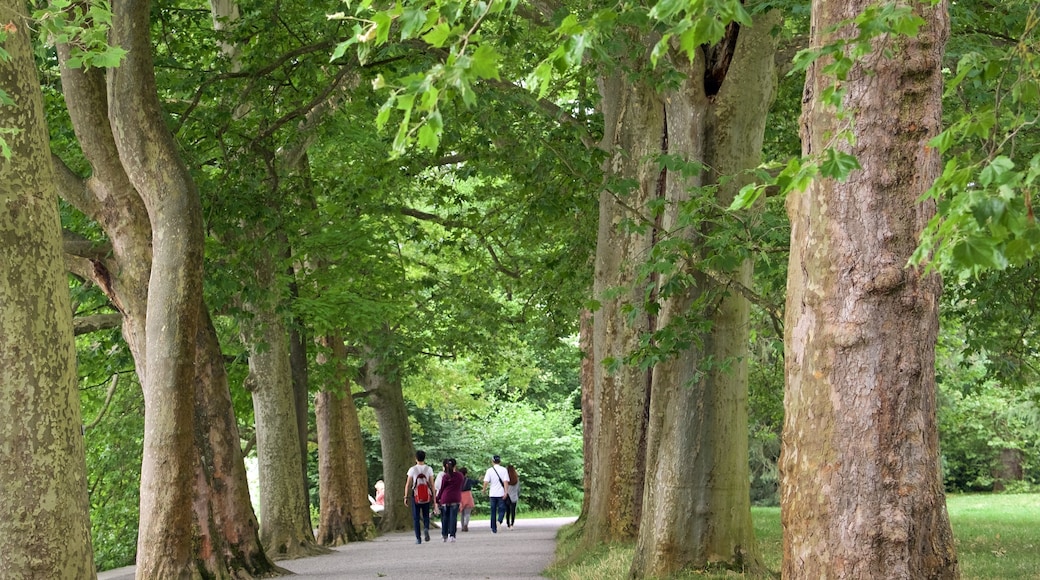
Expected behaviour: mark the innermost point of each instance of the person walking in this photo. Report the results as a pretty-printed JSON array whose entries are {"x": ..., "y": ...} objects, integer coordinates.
[
  {"x": 495, "y": 487},
  {"x": 417, "y": 489},
  {"x": 512, "y": 495},
  {"x": 449, "y": 497},
  {"x": 467, "y": 504}
]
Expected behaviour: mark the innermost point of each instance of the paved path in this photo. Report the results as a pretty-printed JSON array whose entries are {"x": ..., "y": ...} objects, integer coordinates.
[{"x": 521, "y": 553}]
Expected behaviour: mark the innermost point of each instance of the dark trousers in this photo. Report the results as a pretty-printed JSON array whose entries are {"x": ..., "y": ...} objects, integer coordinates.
[
  {"x": 510, "y": 512},
  {"x": 498, "y": 512},
  {"x": 424, "y": 509},
  {"x": 449, "y": 519}
]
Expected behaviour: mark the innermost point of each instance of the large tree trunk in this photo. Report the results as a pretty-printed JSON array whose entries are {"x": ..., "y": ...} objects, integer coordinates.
[
  {"x": 226, "y": 540},
  {"x": 382, "y": 381},
  {"x": 696, "y": 507},
  {"x": 149, "y": 155},
  {"x": 346, "y": 515},
  {"x": 44, "y": 511},
  {"x": 861, "y": 493}
]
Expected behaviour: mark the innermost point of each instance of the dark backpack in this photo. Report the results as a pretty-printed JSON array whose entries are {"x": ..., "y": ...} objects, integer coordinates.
[{"x": 422, "y": 489}]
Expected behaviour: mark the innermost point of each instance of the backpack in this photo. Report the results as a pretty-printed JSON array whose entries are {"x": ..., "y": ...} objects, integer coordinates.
[{"x": 422, "y": 489}]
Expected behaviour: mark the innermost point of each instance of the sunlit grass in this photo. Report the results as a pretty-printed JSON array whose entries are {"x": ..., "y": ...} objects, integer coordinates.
[{"x": 997, "y": 537}]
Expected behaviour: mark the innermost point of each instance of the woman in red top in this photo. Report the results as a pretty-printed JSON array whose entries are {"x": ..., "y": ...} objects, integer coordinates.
[{"x": 449, "y": 496}]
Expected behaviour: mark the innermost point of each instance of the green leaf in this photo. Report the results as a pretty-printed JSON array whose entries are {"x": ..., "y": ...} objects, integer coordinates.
[
  {"x": 997, "y": 172},
  {"x": 485, "y": 62},
  {"x": 838, "y": 164},
  {"x": 977, "y": 252},
  {"x": 438, "y": 35},
  {"x": 748, "y": 195},
  {"x": 412, "y": 21}
]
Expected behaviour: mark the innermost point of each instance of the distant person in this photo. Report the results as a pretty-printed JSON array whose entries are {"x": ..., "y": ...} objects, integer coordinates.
[
  {"x": 418, "y": 489},
  {"x": 467, "y": 504},
  {"x": 380, "y": 492},
  {"x": 449, "y": 497},
  {"x": 494, "y": 485},
  {"x": 512, "y": 495}
]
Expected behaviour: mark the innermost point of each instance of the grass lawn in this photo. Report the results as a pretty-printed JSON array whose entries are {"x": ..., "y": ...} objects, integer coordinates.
[{"x": 997, "y": 537}]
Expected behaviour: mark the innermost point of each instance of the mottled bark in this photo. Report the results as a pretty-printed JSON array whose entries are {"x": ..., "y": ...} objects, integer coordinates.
[
  {"x": 382, "y": 381},
  {"x": 44, "y": 519},
  {"x": 697, "y": 509},
  {"x": 861, "y": 493},
  {"x": 346, "y": 515}
]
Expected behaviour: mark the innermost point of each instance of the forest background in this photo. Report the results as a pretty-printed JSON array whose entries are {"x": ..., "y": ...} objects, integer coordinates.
[{"x": 459, "y": 252}]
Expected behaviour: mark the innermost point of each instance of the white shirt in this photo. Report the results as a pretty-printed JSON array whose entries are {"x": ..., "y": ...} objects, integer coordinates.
[{"x": 495, "y": 488}]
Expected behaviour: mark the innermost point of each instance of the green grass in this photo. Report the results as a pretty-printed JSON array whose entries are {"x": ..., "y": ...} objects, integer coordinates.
[{"x": 997, "y": 537}]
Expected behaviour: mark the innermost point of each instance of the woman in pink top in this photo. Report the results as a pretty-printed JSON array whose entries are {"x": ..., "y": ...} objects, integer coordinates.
[{"x": 449, "y": 496}]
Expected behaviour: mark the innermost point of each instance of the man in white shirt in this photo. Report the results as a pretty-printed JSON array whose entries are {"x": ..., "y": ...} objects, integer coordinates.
[
  {"x": 420, "y": 473},
  {"x": 495, "y": 479}
]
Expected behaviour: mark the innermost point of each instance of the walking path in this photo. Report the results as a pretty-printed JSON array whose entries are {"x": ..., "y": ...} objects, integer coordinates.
[{"x": 521, "y": 553}]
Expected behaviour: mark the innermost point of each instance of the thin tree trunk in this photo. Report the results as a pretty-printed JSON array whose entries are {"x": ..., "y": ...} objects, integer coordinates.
[
  {"x": 382, "y": 382},
  {"x": 44, "y": 511},
  {"x": 861, "y": 493},
  {"x": 229, "y": 539},
  {"x": 620, "y": 393},
  {"x": 285, "y": 528},
  {"x": 346, "y": 515}
]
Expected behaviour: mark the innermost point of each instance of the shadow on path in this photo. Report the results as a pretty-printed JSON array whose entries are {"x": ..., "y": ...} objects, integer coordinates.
[{"x": 517, "y": 554}]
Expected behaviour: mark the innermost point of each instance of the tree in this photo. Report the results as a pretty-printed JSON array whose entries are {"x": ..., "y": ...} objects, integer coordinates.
[
  {"x": 45, "y": 526},
  {"x": 192, "y": 455},
  {"x": 861, "y": 493}
]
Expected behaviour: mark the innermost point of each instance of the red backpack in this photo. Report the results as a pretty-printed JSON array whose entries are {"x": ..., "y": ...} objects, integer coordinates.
[{"x": 422, "y": 488}]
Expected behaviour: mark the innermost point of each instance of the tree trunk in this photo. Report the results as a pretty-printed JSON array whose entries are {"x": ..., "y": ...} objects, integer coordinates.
[
  {"x": 285, "y": 527},
  {"x": 149, "y": 155},
  {"x": 301, "y": 395},
  {"x": 696, "y": 507},
  {"x": 616, "y": 465},
  {"x": 861, "y": 492},
  {"x": 588, "y": 412},
  {"x": 382, "y": 381},
  {"x": 229, "y": 539},
  {"x": 109, "y": 198},
  {"x": 44, "y": 511},
  {"x": 346, "y": 515}
]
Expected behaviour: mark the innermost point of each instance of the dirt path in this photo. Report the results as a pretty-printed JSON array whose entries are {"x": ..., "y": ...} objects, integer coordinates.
[{"x": 517, "y": 554}]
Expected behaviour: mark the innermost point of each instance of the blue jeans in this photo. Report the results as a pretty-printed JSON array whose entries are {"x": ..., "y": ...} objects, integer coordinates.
[
  {"x": 498, "y": 512},
  {"x": 424, "y": 509},
  {"x": 449, "y": 519}
]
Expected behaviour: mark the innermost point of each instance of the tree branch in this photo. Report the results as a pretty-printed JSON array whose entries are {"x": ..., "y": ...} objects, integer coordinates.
[
  {"x": 86, "y": 324},
  {"x": 108, "y": 401}
]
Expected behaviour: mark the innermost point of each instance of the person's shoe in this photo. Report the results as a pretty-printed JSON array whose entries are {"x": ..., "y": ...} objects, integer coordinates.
[
  {"x": 418, "y": 541},
  {"x": 426, "y": 535},
  {"x": 445, "y": 539},
  {"x": 451, "y": 539},
  {"x": 465, "y": 528}
]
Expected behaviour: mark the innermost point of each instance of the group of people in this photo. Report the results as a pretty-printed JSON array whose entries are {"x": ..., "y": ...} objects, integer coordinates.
[{"x": 451, "y": 496}]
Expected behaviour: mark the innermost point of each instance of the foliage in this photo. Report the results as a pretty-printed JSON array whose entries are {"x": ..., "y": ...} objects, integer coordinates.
[
  {"x": 114, "y": 414},
  {"x": 984, "y": 424},
  {"x": 543, "y": 444},
  {"x": 985, "y": 219}
]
